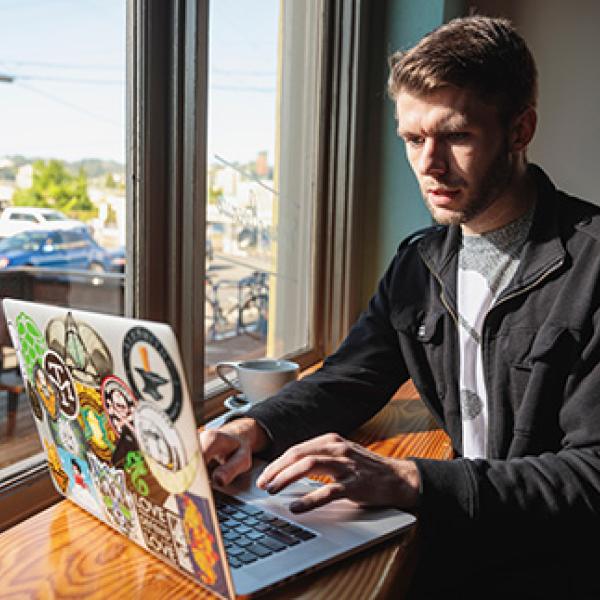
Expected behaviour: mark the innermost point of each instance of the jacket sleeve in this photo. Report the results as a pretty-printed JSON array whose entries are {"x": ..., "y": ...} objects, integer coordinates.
[
  {"x": 352, "y": 385},
  {"x": 552, "y": 494}
]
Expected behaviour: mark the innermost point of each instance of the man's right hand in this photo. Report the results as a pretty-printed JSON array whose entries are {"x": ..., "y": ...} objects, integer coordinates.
[{"x": 231, "y": 447}]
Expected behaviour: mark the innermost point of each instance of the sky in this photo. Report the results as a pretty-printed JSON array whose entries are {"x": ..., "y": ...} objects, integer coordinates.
[{"x": 67, "y": 58}]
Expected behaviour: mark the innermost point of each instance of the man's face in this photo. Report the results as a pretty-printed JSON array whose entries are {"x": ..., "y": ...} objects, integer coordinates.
[{"x": 459, "y": 151}]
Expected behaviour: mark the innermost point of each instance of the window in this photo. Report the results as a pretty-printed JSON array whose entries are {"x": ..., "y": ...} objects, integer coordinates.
[
  {"x": 166, "y": 171},
  {"x": 62, "y": 90},
  {"x": 262, "y": 161}
]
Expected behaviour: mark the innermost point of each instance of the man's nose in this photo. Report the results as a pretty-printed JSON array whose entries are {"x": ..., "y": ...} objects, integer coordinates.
[{"x": 432, "y": 160}]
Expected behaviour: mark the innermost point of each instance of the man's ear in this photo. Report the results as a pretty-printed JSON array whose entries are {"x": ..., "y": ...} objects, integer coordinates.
[{"x": 523, "y": 128}]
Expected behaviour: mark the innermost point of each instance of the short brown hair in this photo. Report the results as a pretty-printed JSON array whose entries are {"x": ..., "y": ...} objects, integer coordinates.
[{"x": 484, "y": 54}]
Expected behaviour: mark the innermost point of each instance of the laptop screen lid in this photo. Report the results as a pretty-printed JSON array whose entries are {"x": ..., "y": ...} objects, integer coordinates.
[
  {"x": 113, "y": 411},
  {"x": 114, "y": 416}
]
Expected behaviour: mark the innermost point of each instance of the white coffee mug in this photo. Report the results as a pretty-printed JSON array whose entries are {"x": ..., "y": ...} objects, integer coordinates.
[{"x": 258, "y": 379}]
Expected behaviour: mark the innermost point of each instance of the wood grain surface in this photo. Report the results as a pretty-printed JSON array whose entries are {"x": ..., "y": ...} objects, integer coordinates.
[{"x": 63, "y": 552}]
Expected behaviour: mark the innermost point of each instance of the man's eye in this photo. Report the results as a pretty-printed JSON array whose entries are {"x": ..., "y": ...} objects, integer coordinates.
[
  {"x": 415, "y": 140},
  {"x": 457, "y": 137}
]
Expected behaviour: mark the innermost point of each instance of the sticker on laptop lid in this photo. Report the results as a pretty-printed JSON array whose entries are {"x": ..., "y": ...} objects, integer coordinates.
[
  {"x": 99, "y": 435},
  {"x": 119, "y": 404},
  {"x": 81, "y": 489},
  {"x": 118, "y": 502},
  {"x": 58, "y": 474},
  {"x": 163, "y": 449},
  {"x": 81, "y": 347},
  {"x": 68, "y": 434},
  {"x": 31, "y": 341},
  {"x": 58, "y": 374},
  {"x": 34, "y": 401},
  {"x": 203, "y": 548},
  {"x": 151, "y": 371},
  {"x": 46, "y": 391},
  {"x": 138, "y": 476}
]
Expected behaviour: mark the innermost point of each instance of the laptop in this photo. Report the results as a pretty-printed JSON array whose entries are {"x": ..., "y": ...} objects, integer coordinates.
[{"x": 114, "y": 415}]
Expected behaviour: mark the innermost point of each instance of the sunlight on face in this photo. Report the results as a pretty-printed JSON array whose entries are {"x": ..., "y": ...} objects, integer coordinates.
[{"x": 458, "y": 150}]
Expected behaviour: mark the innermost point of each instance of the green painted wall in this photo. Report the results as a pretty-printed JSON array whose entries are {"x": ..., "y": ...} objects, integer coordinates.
[{"x": 395, "y": 205}]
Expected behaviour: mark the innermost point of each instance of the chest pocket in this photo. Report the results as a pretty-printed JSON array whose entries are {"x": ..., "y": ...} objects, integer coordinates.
[
  {"x": 550, "y": 343},
  {"x": 555, "y": 348}
]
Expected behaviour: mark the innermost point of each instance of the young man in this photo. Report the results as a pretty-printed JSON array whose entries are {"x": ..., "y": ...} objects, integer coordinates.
[{"x": 494, "y": 314}]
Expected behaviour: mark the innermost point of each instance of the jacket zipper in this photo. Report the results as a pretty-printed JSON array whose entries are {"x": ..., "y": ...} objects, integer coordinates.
[
  {"x": 524, "y": 290},
  {"x": 442, "y": 296}
]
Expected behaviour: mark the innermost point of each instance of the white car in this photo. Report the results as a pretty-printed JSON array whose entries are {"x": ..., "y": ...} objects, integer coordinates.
[{"x": 16, "y": 219}]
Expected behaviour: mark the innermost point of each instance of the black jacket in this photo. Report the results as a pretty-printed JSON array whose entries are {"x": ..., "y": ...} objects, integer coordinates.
[{"x": 541, "y": 354}]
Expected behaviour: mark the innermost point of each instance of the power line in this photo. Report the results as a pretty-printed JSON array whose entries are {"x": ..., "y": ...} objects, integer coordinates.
[
  {"x": 69, "y": 80},
  {"x": 70, "y": 105},
  {"x": 246, "y": 174},
  {"x": 53, "y": 65}
]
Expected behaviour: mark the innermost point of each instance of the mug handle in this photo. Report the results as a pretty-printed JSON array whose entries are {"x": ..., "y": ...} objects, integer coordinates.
[{"x": 227, "y": 365}]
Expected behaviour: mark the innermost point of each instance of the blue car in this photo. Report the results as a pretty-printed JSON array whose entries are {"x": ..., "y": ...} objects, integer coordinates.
[{"x": 55, "y": 249}]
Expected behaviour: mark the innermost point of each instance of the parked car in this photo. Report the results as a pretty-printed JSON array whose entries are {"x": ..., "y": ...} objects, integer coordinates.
[
  {"x": 66, "y": 249},
  {"x": 16, "y": 219},
  {"x": 117, "y": 260}
]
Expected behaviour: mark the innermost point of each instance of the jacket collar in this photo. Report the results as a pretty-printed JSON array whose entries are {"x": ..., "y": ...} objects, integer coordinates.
[{"x": 543, "y": 250}]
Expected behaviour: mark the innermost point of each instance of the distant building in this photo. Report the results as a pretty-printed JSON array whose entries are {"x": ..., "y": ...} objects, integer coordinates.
[{"x": 262, "y": 165}]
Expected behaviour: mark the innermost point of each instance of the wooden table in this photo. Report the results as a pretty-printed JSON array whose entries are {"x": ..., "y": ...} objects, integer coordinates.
[{"x": 63, "y": 552}]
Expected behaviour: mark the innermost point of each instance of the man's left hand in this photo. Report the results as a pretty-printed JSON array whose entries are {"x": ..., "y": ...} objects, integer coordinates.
[{"x": 358, "y": 474}]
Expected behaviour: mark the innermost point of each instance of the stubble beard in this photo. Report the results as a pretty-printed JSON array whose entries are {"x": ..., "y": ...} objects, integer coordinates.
[{"x": 491, "y": 186}]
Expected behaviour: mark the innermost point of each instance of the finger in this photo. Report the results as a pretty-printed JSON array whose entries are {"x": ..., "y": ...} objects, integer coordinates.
[
  {"x": 324, "y": 444},
  {"x": 324, "y": 495},
  {"x": 338, "y": 468},
  {"x": 237, "y": 463},
  {"x": 217, "y": 446}
]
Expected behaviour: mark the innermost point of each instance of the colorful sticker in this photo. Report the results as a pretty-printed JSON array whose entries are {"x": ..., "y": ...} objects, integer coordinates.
[
  {"x": 180, "y": 542},
  {"x": 34, "y": 401},
  {"x": 163, "y": 449},
  {"x": 46, "y": 391},
  {"x": 59, "y": 375},
  {"x": 118, "y": 503},
  {"x": 151, "y": 371},
  {"x": 82, "y": 488},
  {"x": 155, "y": 528},
  {"x": 97, "y": 431},
  {"x": 201, "y": 541},
  {"x": 138, "y": 477},
  {"x": 68, "y": 434},
  {"x": 119, "y": 404},
  {"x": 82, "y": 349},
  {"x": 60, "y": 478},
  {"x": 31, "y": 341}
]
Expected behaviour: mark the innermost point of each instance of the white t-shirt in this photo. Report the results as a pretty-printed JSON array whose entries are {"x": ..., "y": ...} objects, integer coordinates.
[{"x": 486, "y": 264}]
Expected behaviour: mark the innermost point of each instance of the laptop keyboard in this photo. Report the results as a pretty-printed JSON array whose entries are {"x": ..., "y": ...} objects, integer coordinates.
[{"x": 251, "y": 533}]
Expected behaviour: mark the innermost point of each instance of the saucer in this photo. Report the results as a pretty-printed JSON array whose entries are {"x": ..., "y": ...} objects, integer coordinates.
[
  {"x": 235, "y": 405},
  {"x": 236, "y": 402}
]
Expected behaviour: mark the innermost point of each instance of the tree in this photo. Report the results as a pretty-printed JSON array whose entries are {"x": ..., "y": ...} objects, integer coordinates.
[{"x": 54, "y": 187}]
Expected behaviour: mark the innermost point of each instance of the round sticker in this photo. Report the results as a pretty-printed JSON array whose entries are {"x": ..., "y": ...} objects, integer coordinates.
[
  {"x": 82, "y": 349},
  {"x": 163, "y": 450},
  {"x": 59, "y": 374},
  {"x": 151, "y": 371},
  {"x": 119, "y": 404}
]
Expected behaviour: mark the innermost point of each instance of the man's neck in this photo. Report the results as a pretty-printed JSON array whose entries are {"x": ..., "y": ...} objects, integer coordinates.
[{"x": 512, "y": 204}]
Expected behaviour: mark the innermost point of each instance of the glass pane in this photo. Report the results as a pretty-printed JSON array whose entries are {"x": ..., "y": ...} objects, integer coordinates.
[
  {"x": 253, "y": 228},
  {"x": 62, "y": 180}
]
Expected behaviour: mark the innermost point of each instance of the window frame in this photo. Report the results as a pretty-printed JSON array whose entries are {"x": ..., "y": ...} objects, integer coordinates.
[{"x": 166, "y": 106}]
